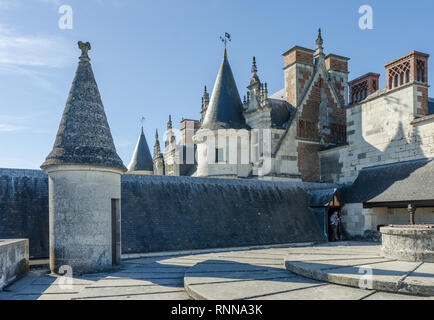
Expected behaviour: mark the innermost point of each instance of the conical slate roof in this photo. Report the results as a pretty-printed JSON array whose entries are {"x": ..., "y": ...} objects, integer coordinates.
[
  {"x": 84, "y": 136},
  {"x": 225, "y": 109},
  {"x": 142, "y": 159}
]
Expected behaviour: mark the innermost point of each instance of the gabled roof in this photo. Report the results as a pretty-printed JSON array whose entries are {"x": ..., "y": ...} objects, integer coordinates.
[
  {"x": 321, "y": 198},
  {"x": 142, "y": 159},
  {"x": 84, "y": 135},
  {"x": 392, "y": 184},
  {"x": 225, "y": 109}
]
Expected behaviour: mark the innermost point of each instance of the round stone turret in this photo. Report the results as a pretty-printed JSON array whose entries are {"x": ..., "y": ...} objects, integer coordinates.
[{"x": 84, "y": 172}]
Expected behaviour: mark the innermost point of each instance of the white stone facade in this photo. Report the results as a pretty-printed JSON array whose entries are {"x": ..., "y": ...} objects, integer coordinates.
[{"x": 383, "y": 129}]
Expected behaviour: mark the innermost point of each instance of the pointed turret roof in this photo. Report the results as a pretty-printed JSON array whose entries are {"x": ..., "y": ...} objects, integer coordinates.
[
  {"x": 142, "y": 159},
  {"x": 84, "y": 136},
  {"x": 225, "y": 109}
]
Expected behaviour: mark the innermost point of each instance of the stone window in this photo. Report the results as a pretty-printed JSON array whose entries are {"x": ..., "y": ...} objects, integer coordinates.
[{"x": 219, "y": 155}]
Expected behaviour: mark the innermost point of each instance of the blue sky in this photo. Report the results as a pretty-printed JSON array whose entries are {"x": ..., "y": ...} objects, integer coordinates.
[{"x": 152, "y": 58}]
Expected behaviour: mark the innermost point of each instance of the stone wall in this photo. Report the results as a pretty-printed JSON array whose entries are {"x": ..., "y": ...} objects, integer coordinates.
[
  {"x": 179, "y": 213},
  {"x": 382, "y": 130},
  {"x": 172, "y": 213},
  {"x": 14, "y": 260},
  {"x": 24, "y": 208}
]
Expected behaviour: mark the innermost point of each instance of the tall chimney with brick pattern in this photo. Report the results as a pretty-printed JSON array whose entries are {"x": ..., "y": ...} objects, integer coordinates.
[
  {"x": 298, "y": 69},
  {"x": 410, "y": 68}
]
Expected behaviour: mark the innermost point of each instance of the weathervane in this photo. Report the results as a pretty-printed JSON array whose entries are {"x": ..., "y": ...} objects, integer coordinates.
[
  {"x": 226, "y": 38},
  {"x": 143, "y": 121}
]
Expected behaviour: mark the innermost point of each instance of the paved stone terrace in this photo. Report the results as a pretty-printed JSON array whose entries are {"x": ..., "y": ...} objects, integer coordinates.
[{"x": 245, "y": 274}]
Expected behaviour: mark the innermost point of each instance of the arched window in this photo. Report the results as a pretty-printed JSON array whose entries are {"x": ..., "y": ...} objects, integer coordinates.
[
  {"x": 396, "y": 81},
  {"x": 390, "y": 83},
  {"x": 401, "y": 80},
  {"x": 407, "y": 80},
  {"x": 366, "y": 92}
]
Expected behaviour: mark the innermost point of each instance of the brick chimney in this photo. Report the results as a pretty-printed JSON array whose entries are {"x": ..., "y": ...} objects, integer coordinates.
[
  {"x": 298, "y": 67},
  {"x": 337, "y": 66},
  {"x": 412, "y": 67},
  {"x": 188, "y": 130},
  {"x": 363, "y": 86}
]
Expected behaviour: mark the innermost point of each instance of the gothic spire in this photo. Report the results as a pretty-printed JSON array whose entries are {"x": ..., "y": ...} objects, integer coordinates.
[
  {"x": 205, "y": 98},
  {"x": 84, "y": 136},
  {"x": 254, "y": 81}
]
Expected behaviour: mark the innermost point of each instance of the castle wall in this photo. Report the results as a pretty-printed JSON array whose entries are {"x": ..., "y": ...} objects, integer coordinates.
[
  {"x": 24, "y": 208},
  {"x": 172, "y": 213}
]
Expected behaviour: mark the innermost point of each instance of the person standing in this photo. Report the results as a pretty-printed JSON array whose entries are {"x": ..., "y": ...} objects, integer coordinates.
[{"x": 334, "y": 224}]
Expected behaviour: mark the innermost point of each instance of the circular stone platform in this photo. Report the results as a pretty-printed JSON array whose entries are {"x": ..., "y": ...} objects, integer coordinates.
[
  {"x": 408, "y": 243},
  {"x": 353, "y": 267},
  {"x": 261, "y": 274}
]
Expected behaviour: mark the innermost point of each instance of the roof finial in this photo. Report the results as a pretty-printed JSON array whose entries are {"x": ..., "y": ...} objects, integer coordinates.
[
  {"x": 169, "y": 124},
  {"x": 254, "y": 67},
  {"x": 84, "y": 47},
  {"x": 254, "y": 81},
  {"x": 319, "y": 43},
  {"x": 157, "y": 151}
]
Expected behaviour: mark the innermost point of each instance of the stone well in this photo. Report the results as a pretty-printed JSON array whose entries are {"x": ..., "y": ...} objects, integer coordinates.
[{"x": 408, "y": 243}]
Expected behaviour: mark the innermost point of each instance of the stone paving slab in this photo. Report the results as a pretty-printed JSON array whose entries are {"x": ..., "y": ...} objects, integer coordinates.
[
  {"x": 246, "y": 289},
  {"x": 319, "y": 292},
  {"x": 388, "y": 275}
]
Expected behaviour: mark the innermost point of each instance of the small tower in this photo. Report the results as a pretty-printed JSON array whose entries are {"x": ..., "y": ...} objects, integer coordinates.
[
  {"x": 84, "y": 172},
  {"x": 205, "y": 103},
  {"x": 141, "y": 162},
  {"x": 319, "y": 52},
  {"x": 158, "y": 157},
  {"x": 224, "y": 113}
]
